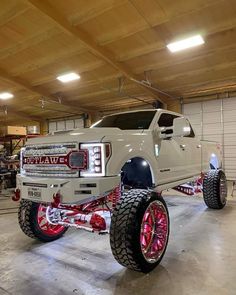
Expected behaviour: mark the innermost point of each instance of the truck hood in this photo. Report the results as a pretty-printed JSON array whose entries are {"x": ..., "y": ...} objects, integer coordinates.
[{"x": 83, "y": 135}]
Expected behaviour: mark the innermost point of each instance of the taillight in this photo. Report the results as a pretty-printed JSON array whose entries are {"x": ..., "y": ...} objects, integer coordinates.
[{"x": 97, "y": 154}]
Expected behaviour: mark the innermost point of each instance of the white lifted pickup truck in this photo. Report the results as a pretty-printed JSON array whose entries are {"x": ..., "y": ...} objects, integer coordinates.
[{"x": 109, "y": 178}]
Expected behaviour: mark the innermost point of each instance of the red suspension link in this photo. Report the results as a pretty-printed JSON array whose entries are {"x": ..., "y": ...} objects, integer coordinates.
[{"x": 115, "y": 196}]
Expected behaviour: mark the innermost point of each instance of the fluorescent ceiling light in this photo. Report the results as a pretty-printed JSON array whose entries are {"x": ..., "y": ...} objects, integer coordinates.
[
  {"x": 186, "y": 43},
  {"x": 68, "y": 77},
  {"x": 5, "y": 95}
]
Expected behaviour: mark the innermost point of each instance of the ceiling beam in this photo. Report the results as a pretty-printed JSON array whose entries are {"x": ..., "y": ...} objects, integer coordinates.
[
  {"x": 42, "y": 93},
  {"x": 47, "y": 9}
]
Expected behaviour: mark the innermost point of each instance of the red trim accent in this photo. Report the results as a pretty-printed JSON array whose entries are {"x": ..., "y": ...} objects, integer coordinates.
[
  {"x": 44, "y": 225},
  {"x": 57, "y": 160}
]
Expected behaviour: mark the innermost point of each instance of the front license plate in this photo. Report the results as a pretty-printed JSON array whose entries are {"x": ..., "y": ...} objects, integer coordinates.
[{"x": 34, "y": 193}]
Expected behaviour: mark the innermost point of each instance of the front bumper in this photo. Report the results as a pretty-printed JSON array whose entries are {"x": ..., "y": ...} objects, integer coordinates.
[{"x": 72, "y": 191}]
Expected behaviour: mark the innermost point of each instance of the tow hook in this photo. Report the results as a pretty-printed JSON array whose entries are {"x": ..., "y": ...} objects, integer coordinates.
[
  {"x": 16, "y": 196},
  {"x": 56, "y": 200}
]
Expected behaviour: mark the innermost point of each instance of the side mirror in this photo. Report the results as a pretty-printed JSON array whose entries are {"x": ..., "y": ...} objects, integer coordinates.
[{"x": 181, "y": 127}]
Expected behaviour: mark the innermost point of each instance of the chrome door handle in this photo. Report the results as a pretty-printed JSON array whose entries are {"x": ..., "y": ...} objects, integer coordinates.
[
  {"x": 199, "y": 146},
  {"x": 183, "y": 146}
]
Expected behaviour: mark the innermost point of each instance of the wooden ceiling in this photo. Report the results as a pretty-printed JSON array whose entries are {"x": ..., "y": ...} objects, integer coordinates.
[{"x": 119, "y": 50}]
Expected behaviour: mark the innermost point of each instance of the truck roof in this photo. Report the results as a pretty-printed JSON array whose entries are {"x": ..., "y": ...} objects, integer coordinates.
[{"x": 144, "y": 110}]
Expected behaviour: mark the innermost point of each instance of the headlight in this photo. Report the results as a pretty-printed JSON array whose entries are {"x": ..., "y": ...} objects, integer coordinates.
[{"x": 98, "y": 153}]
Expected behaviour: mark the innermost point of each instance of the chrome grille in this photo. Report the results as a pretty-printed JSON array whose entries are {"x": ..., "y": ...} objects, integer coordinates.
[{"x": 48, "y": 170}]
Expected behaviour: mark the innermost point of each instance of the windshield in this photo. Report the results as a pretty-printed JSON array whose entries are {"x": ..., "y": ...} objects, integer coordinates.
[{"x": 127, "y": 121}]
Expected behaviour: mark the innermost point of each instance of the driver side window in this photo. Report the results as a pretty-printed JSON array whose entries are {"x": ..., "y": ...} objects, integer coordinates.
[{"x": 166, "y": 120}]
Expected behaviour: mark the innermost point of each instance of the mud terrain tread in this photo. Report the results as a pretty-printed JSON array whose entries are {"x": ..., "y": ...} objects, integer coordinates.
[
  {"x": 211, "y": 193},
  {"x": 27, "y": 218},
  {"x": 24, "y": 218},
  {"x": 122, "y": 226}
]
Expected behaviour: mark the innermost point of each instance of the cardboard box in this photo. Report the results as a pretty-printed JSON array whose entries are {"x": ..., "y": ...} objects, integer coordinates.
[{"x": 12, "y": 130}]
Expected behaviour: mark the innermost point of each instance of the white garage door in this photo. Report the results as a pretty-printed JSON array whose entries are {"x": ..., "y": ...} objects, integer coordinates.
[
  {"x": 65, "y": 124},
  {"x": 216, "y": 121}
]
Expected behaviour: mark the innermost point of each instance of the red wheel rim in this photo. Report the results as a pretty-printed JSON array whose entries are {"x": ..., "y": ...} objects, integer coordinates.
[
  {"x": 46, "y": 227},
  {"x": 154, "y": 231}
]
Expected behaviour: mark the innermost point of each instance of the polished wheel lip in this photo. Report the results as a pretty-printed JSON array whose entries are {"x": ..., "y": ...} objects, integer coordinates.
[
  {"x": 223, "y": 189},
  {"x": 45, "y": 226},
  {"x": 154, "y": 231}
]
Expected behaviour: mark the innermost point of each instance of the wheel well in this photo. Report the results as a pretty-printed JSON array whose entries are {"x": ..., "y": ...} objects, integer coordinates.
[{"x": 137, "y": 173}]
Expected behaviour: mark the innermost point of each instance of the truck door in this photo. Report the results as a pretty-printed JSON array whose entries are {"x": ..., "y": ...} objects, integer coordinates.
[
  {"x": 193, "y": 153},
  {"x": 173, "y": 155}
]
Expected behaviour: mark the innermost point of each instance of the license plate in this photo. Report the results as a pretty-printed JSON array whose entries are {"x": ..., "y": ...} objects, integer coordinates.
[{"x": 35, "y": 193}]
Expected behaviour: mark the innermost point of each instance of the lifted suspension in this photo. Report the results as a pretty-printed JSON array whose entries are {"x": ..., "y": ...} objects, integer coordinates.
[{"x": 94, "y": 216}]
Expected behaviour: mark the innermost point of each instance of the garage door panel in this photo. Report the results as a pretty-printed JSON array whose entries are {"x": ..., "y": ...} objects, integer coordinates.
[
  {"x": 195, "y": 119},
  {"x": 230, "y": 163},
  {"x": 229, "y": 115},
  {"x": 52, "y": 126},
  {"x": 230, "y": 128},
  {"x": 213, "y": 117},
  {"x": 61, "y": 125},
  {"x": 192, "y": 108},
  {"x": 230, "y": 174},
  {"x": 66, "y": 124},
  {"x": 70, "y": 124},
  {"x": 211, "y": 106},
  {"x": 79, "y": 123},
  {"x": 212, "y": 129},
  {"x": 230, "y": 139},
  {"x": 229, "y": 103},
  {"x": 210, "y": 114},
  {"x": 230, "y": 151}
]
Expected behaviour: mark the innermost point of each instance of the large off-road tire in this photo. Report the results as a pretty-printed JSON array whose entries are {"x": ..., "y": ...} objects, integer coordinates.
[
  {"x": 33, "y": 222},
  {"x": 139, "y": 230},
  {"x": 215, "y": 189}
]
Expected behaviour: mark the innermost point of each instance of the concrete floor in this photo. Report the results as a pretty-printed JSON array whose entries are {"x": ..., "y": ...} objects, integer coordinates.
[{"x": 200, "y": 258}]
